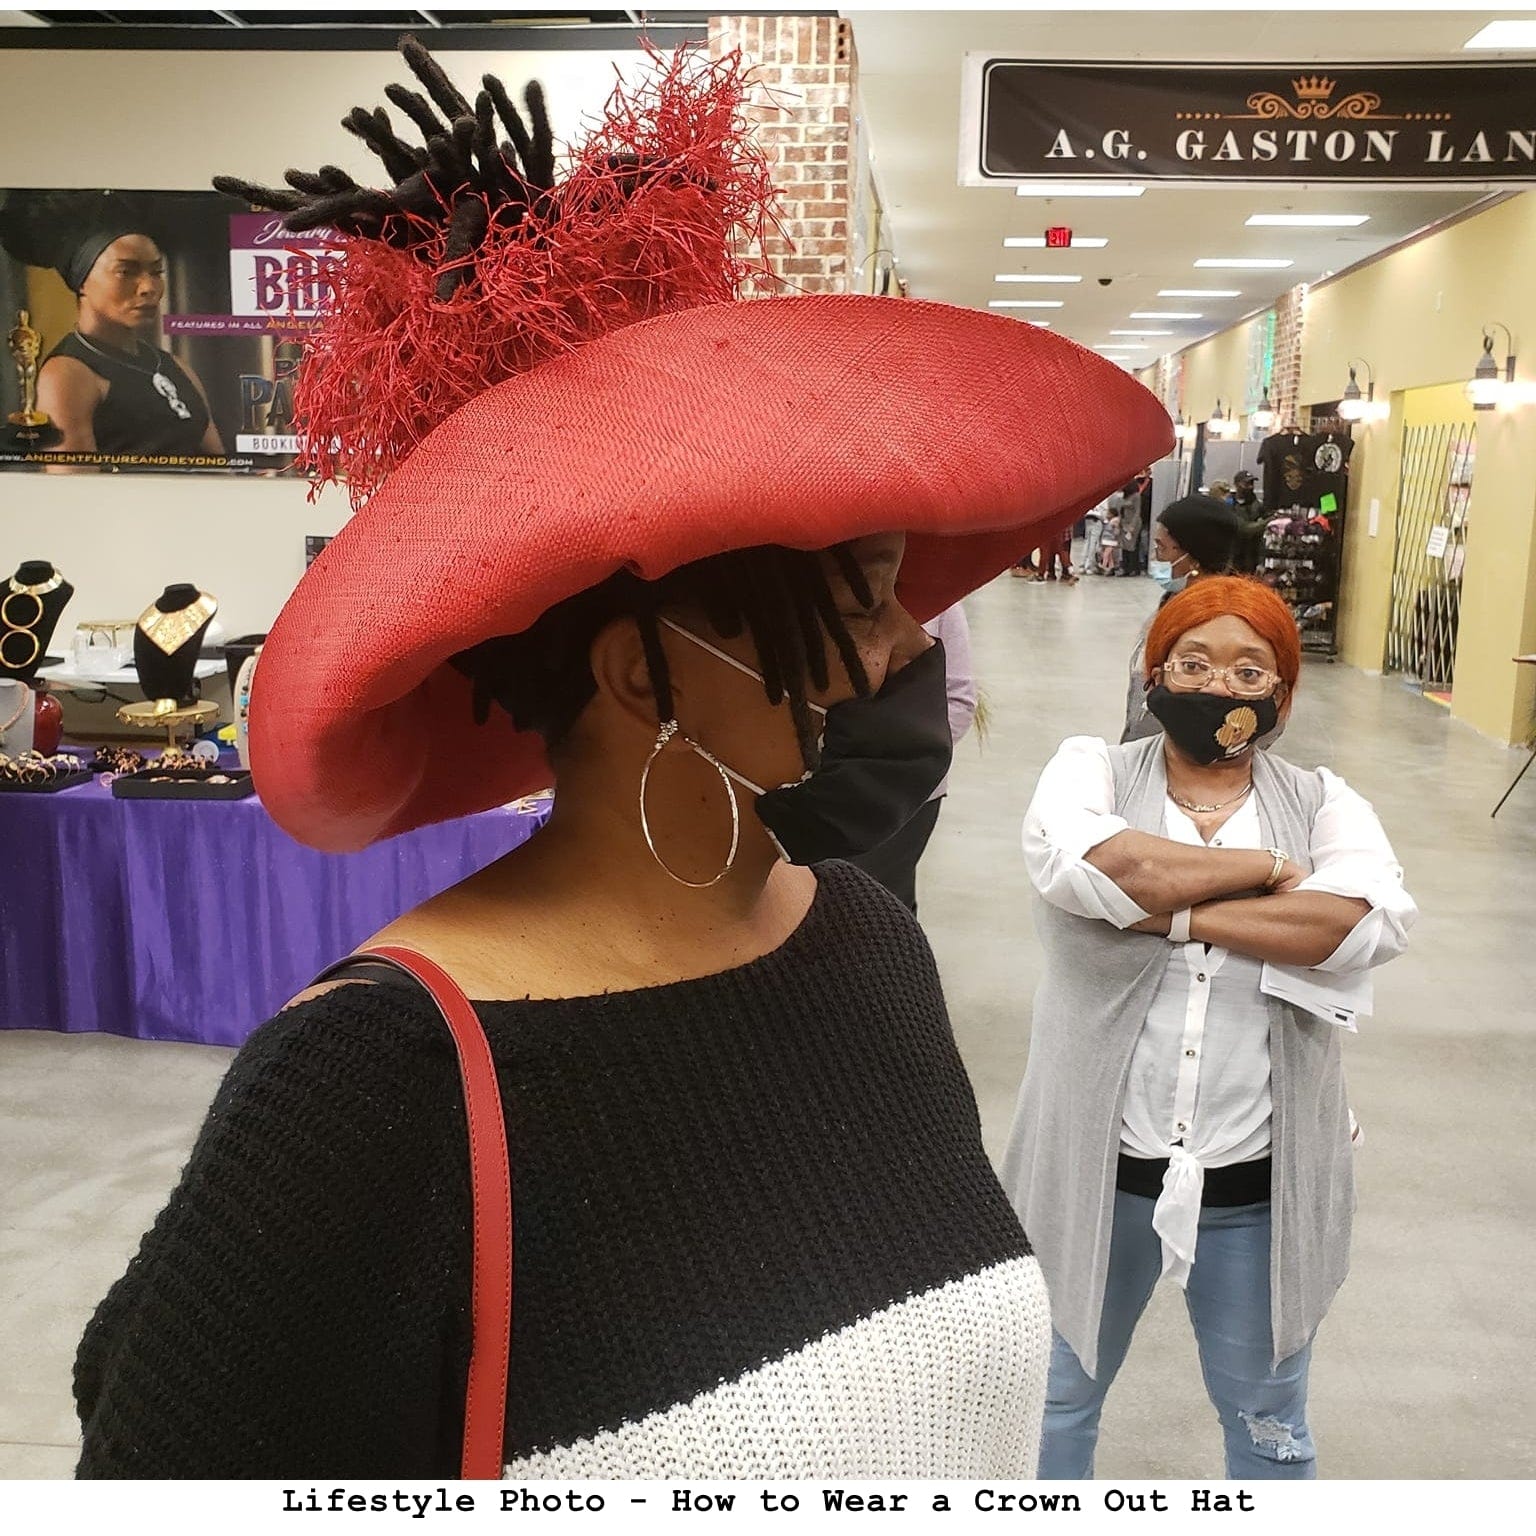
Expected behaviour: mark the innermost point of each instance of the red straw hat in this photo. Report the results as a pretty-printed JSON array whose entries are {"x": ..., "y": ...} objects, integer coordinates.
[
  {"x": 530, "y": 383},
  {"x": 799, "y": 421}
]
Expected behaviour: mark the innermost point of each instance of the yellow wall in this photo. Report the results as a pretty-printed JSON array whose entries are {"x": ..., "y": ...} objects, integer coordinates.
[
  {"x": 1417, "y": 318},
  {"x": 1217, "y": 369}
]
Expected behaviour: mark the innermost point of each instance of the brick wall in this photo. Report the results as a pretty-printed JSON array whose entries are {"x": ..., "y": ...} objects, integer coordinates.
[
  {"x": 806, "y": 80},
  {"x": 1285, "y": 381}
]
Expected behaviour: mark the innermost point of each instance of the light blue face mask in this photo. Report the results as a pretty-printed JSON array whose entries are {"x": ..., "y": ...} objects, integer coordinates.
[{"x": 1161, "y": 571}]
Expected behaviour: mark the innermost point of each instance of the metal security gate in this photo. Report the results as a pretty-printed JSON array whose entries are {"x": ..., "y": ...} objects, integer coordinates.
[{"x": 1434, "y": 494}]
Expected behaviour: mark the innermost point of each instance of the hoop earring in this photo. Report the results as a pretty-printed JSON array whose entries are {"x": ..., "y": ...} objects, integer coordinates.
[{"x": 668, "y": 731}]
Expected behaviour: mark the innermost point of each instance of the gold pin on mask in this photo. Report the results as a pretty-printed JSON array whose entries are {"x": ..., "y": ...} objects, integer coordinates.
[{"x": 1238, "y": 728}]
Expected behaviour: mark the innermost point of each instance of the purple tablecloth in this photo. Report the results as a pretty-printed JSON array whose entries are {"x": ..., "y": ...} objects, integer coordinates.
[{"x": 172, "y": 920}]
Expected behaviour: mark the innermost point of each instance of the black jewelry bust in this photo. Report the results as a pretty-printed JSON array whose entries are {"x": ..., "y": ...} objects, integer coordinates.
[
  {"x": 30, "y": 604},
  {"x": 167, "y": 641}
]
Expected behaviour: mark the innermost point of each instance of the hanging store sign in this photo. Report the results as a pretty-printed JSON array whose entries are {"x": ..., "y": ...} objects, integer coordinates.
[{"x": 1427, "y": 124}]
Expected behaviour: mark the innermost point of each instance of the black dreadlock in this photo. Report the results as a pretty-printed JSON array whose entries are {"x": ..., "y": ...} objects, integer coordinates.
[
  {"x": 782, "y": 597},
  {"x": 504, "y": 182}
]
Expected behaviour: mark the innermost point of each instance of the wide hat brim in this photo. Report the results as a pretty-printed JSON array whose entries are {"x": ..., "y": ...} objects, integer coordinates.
[{"x": 795, "y": 421}]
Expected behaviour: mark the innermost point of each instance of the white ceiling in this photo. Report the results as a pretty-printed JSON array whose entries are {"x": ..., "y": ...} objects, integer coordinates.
[{"x": 949, "y": 238}]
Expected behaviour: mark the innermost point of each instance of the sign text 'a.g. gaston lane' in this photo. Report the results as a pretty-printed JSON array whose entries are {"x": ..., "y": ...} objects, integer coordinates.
[{"x": 1465, "y": 124}]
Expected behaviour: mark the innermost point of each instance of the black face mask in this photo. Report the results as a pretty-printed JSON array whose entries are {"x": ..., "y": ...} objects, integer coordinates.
[
  {"x": 881, "y": 759},
  {"x": 1212, "y": 727}
]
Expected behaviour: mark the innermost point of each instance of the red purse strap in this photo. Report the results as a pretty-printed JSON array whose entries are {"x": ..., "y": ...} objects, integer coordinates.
[{"x": 485, "y": 1398}]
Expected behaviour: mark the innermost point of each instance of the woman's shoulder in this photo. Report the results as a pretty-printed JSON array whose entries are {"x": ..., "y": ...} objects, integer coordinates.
[
  {"x": 1313, "y": 788},
  {"x": 340, "y": 1052}
]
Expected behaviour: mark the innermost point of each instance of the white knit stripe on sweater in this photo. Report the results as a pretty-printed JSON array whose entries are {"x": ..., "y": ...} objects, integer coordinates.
[{"x": 946, "y": 1384}]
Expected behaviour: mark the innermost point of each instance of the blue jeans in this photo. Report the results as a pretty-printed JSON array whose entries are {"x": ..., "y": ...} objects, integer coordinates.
[{"x": 1263, "y": 1413}]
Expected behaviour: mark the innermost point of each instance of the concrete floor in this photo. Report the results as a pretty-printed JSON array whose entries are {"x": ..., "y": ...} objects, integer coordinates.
[{"x": 1422, "y": 1369}]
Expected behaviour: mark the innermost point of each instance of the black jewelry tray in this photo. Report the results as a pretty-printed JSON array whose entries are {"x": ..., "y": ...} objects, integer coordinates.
[
  {"x": 49, "y": 786},
  {"x": 182, "y": 786}
]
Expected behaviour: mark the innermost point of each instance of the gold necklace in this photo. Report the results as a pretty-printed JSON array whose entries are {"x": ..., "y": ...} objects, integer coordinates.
[
  {"x": 27, "y": 627},
  {"x": 1205, "y": 810},
  {"x": 170, "y": 631},
  {"x": 53, "y": 583},
  {"x": 26, "y": 699}
]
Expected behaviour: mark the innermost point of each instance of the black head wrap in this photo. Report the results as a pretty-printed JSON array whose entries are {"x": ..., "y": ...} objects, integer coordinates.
[
  {"x": 76, "y": 266},
  {"x": 1206, "y": 530}
]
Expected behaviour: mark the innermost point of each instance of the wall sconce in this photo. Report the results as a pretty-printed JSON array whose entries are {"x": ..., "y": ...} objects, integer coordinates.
[
  {"x": 1220, "y": 424},
  {"x": 1264, "y": 417},
  {"x": 1183, "y": 430},
  {"x": 1353, "y": 406},
  {"x": 1487, "y": 386}
]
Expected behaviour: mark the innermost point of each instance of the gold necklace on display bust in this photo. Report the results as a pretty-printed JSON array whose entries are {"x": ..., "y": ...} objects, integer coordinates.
[{"x": 170, "y": 631}]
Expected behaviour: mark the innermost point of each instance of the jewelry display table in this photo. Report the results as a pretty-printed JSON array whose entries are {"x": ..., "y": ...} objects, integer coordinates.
[{"x": 170, "y": 920}]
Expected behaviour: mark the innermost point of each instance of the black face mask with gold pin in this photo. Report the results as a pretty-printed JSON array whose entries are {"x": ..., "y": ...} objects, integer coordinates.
[{"x": 1212, "y": 727}]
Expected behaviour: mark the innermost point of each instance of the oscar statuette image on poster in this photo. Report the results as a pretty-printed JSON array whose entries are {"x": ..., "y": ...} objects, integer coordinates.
[{"x": 171, "y": 325}]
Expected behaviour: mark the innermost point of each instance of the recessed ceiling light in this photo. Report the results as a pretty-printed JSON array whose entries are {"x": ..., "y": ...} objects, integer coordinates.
[
  {"x": 1035, "y": 277},
  {"x": 1141, "y": 333},
  {"x": 1308, "y": 220},
  {"x": 1037, "y": 243},
  {"x": 1199, "y": 293},
  {"x": 1504, "y": 34},
  {"x": 1165, "y": 314},
  {"x": 1257, "y": 263},
  {"x": 1024, "y": 304},
  {"x": 1043, "y": 324},
  {"x": 1078, "y": 189}
]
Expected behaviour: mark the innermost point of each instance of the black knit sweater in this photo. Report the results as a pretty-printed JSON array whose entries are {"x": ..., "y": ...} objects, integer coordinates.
[{"x": 733, "y": 1197}]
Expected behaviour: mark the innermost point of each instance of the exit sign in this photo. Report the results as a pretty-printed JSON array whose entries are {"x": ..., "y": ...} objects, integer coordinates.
[{"x": 1058, "y": 238}]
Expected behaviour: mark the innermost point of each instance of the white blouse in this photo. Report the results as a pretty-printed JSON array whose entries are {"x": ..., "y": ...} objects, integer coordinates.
[{"x": 1201, "y": 1097}]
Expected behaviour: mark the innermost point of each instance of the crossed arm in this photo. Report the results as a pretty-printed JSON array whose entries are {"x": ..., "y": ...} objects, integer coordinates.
[
  {"x": 1349, "y": 914},
  {"x": 1221, "y": 887}
]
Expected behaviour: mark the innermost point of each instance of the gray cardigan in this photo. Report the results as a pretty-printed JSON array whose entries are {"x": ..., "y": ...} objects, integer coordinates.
[{"x": 1099, "y": 982}]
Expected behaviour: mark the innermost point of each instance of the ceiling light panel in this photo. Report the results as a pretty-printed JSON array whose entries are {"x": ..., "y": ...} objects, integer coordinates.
[
  {"x": 1036, "y": 277},
  {"x": 1141, "y": 333},
  {"x": 1024, "y": 304},
  {"x": 1307, "y": 220},
  {"x": 1078, "y": 189},
  {"x": 1199, "y": 293},
  {"x": 1252, "y": 263},
  {"x": 1166, "y": 314},
  {"x": 1037, "y": 243}
]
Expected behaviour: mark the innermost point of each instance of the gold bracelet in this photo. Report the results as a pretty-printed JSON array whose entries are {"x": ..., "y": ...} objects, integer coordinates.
[{"x": 1281, "y": 860}]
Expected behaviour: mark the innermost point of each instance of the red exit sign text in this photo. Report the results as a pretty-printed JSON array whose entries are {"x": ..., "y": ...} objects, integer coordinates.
[{"x": 1058, "y": 238}]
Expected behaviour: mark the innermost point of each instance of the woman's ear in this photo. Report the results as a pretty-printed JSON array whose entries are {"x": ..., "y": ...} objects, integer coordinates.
[{"x": 622, "y": 674}]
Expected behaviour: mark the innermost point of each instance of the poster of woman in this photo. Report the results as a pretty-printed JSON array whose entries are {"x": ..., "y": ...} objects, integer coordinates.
[{"x": 171, "y": 327}]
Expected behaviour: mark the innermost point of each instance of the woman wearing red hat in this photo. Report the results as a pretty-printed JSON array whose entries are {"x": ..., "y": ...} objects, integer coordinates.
[{"x": 671, "y": 551}]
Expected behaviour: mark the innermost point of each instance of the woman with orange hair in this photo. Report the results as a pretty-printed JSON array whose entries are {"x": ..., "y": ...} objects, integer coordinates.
[{"x": 1209, "y": 913}]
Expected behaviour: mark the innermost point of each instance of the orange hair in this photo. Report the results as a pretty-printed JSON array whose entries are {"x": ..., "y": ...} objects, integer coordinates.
[{"x": 1215, "y": 597}]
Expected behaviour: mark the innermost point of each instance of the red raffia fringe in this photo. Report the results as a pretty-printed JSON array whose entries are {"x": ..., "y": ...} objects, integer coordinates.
[{"x": 390, "y": 361}]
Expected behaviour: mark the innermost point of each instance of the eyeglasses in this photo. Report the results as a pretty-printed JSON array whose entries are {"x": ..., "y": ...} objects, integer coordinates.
[{"x": 1245, "y": 681}]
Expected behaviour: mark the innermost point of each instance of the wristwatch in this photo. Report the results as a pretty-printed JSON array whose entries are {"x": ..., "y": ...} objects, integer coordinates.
[{"x": 1281, "y": 860}]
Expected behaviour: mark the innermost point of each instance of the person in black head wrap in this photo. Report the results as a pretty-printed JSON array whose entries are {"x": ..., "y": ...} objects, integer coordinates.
[
  {"x": 1195, "y": 536},
  {"x": 107, "y": 385}
]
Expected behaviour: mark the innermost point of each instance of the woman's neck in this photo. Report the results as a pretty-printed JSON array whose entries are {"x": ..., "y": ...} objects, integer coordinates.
[
  {"x": 108, "y": 333},
  {"x": 1231, "y": 774},
  {"x": 584, "y": 907}
]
